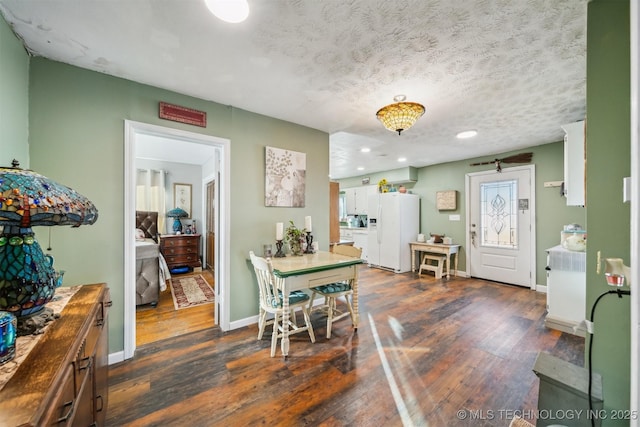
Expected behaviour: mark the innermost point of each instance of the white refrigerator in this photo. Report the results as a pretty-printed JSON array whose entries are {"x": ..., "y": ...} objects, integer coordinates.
[{"x": 394, "y": 221}]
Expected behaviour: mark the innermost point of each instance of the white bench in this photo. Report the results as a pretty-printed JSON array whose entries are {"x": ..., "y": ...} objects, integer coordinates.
[{"x": 433, "y": 263}]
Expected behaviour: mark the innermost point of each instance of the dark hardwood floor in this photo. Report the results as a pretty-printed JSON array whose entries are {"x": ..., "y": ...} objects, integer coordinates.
[{"x": 425, "y": 352}]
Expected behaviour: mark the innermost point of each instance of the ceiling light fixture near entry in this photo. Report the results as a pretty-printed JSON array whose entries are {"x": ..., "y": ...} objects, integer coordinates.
[
  {"x": 232, "y": 11},
  {"x": 401, "y": 115}
]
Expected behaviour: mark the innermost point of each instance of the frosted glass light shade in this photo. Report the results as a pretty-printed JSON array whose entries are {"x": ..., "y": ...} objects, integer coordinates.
[{"x": 232, "y": 11}]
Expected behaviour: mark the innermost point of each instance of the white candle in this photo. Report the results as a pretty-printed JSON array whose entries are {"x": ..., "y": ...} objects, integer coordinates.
[
  {"x": 279, "y": 230},
  {"x": 307, "y": 223}
]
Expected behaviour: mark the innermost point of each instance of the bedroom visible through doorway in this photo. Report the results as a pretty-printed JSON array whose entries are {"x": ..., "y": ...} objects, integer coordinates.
[
  {"x": 178, "y": 152},
  {"x": 183, "y": 162}
]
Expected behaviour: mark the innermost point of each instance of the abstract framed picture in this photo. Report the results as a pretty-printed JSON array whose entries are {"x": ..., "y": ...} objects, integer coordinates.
[
  {"x": 182, "y": 197},
  {"x": 285, "y": 174}
]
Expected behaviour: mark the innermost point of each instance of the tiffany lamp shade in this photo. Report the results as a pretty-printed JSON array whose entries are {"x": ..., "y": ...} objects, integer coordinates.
[
  {"x": 176, "y": 214},
  {"x": 27, "y": 277}
]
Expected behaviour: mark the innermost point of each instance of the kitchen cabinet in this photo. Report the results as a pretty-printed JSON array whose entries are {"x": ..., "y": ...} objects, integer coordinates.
[
  {"x": 63, "y": 380},
  {"x": 360, "y": 240},
  {"x": 574, "y": 163},
  {"x": 359, "y": 237},
  {"x": 357, "y": 199}
]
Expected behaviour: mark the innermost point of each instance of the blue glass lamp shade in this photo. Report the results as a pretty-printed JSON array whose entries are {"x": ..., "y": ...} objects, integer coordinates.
[
  {"x": 8, "y": 333},
  {"x": 27, "y": 277},
  {"x": 176, "y": 214}
]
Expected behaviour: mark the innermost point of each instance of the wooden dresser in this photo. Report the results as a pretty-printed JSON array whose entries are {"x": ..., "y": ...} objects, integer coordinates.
[
  {"x": 63, "y": 379},
  {"x": 181, "y": 250}
]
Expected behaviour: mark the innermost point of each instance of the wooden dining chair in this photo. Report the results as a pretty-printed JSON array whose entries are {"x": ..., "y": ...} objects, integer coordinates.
[
  {"x": 336, "y": 290},
  {"x": 270, "y": 296}
]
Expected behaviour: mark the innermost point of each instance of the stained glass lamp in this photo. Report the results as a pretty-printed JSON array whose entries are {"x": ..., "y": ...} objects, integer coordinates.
[
  {"x": 27, "y": 277},
  {"x": 401, "y": 115},
  {"x": 176, "y": 214}
]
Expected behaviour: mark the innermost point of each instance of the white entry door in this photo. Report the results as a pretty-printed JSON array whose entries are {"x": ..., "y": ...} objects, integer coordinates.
[{"x": 501, "y": 225}]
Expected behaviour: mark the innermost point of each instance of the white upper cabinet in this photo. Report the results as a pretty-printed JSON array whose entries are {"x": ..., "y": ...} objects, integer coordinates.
[
  {"x": 357, "y": 199},
  {"x": 574, "y": 163}
]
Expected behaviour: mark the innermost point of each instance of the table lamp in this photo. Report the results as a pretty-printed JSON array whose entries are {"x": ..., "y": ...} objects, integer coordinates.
[
  {"x": 27, "y": 277},
  {"x": 176, "y": 214}
]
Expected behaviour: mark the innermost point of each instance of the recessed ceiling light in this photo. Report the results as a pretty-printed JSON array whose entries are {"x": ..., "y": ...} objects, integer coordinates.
[
  {"x": 360, "y": 168},
  {"x": 402, "y": 159},
  {"x": 365, "y": 149},
  {"x": 467, "y": 134}
]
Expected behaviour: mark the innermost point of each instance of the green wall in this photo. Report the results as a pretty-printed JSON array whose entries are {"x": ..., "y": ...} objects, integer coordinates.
[
  {"x": 14, "y": 101},
  {"x": 77, "y": 138},
  {"x": 608, "y": 218},
  {"x": 552, "y": 211}
]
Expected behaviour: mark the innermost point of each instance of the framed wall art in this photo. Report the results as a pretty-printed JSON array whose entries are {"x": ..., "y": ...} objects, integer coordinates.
[
  {"x": 182, "y": 197},
  {"x": 446, "y": 200},
  {"x": 285, "y": 174}
]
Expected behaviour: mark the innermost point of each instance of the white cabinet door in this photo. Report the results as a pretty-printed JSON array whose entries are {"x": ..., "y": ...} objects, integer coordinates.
[
  {"x": 357, "y": 199},
  {"x": 350, "y": 199},
  {"x": 361, "y": 201},
  {"x": 360, "y": 241}
]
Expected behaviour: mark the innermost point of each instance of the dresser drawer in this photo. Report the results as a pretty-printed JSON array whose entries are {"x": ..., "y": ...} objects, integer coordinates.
[
  {"x": 182, "y": 259},
  {"x": 178, "y": 241},
  {"x": 179, "y": 250}
]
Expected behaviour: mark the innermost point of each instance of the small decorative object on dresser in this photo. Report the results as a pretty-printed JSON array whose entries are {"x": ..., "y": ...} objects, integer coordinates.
[
  {"x": 182, "y": 250},
  {"x": 8, "y": 333}
]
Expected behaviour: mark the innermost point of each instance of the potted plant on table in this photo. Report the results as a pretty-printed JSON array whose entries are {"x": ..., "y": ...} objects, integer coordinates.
[{"x": 295, "y": 237}]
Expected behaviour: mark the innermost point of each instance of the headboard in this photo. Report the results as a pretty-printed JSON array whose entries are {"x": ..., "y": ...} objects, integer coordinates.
[{"x": 148, "y": 222}]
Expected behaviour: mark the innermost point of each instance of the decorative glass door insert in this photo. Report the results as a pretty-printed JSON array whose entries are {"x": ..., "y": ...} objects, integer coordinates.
[{"x": 499, "y": 214}]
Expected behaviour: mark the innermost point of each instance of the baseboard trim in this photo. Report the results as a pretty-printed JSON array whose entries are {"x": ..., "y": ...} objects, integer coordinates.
[{"x": 564, "y": 325}]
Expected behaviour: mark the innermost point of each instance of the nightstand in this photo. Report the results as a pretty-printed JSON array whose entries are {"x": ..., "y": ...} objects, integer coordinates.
[{"x": 181, "y": 250}]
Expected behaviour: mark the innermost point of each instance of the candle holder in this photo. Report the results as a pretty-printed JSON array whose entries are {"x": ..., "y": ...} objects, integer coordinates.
[
  {"x": 309, "y": 249},
  {"x": 279, "y": 253}
]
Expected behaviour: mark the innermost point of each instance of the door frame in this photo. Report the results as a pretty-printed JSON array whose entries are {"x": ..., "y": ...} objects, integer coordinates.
[
  {"x": 205, "y": 230},
  {"x": 222, "y": 272},
  {"x": 532, "y": 209},
  {"x": 635, "y": 210}
]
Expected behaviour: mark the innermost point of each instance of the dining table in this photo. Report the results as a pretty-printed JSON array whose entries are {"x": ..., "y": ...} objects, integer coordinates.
[{"x": 308, "y": 271}]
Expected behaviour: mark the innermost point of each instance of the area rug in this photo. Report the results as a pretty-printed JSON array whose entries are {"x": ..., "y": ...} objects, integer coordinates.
[{"x": 190, "y": 292}]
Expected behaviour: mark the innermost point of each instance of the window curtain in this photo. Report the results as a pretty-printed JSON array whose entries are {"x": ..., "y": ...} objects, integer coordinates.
[{"x": 150, "y": 194}]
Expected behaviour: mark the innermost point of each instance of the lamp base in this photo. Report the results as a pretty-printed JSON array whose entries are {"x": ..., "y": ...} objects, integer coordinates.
[
  {"x": 35, "y": 323},
  {"x": 177, "y": 226},
  {"x": 27, "y": 278}
]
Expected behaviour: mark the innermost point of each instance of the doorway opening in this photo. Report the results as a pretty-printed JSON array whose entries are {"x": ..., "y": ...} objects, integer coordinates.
[{"x": 135, "y": 135}]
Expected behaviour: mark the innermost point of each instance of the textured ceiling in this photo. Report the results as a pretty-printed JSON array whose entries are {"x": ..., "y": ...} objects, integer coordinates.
[{"x": 514, "y": 70}]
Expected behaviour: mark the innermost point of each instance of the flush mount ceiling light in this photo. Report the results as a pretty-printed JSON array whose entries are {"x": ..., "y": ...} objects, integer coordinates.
[
  {"x": 232, "y": 11},
  {"x": 401, "y": 115}
]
